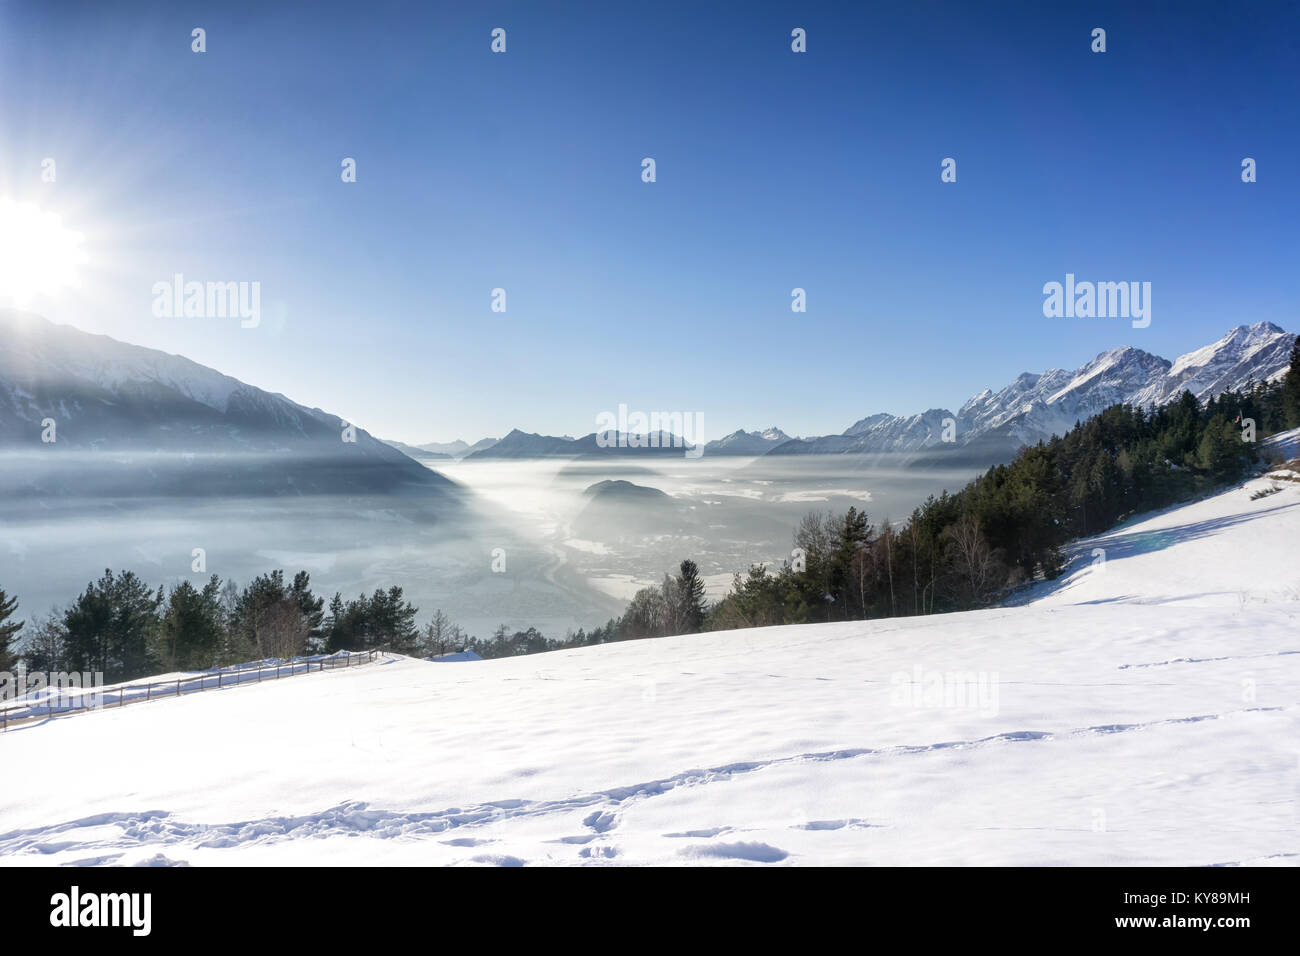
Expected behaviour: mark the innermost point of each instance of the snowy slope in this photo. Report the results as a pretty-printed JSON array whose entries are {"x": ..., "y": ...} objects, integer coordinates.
[
  {"x": 1144, "y": 714},
  {"x": 1224, "y": 552}
]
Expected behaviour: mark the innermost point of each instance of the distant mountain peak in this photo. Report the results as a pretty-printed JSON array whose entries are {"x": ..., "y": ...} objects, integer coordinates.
[{"x": 1034, "y": 406}]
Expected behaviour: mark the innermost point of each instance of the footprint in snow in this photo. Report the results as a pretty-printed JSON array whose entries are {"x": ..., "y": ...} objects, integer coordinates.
[
  {"x": 753, "y": 852},
  {"x": 836, "y": 824},
  {"x": 697, "y": 834},
  {"x": 600, "y": 821}
]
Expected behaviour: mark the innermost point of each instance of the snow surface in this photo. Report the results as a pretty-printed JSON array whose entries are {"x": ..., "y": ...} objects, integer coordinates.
[{"x": 1143, "y": 711}]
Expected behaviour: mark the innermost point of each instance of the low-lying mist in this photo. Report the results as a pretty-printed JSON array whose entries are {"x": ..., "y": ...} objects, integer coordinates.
[{"x": 524, "y": 543}]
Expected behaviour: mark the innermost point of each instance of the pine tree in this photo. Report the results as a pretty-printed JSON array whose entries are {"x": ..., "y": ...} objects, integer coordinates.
[
  {"x": 690, "y": 598},
  {"x": 8, "y": 631},
  {"x": 1291, "y": 388},
  {"x": 312, "y": 608},
  {"x": 191, "y": 633},
  {"x": 111, "y": 627},
  {"x": 1222, "y": 453},
  {"x": 391, "y": 622},
  {"x": 851, "y": 565}
]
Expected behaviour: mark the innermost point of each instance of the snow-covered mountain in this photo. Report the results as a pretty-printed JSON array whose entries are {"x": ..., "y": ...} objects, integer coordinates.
[
  {"x": 1036, "y": 406},
  {"x": 162, "y": 423},
  {"x": 452, "y": 448},
  {"x": 416, "y": 451},
  {"x": 521, "y": 444},
  {"x": 444, "y": 449},
  {"x": 747, "y": 443}
]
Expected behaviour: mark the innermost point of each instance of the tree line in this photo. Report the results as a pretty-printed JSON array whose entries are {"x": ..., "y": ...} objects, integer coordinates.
[{"x": 121, "y": 627}]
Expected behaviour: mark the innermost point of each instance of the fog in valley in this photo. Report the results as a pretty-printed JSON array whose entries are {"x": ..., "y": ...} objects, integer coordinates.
[{"x": 555, "y": 544}]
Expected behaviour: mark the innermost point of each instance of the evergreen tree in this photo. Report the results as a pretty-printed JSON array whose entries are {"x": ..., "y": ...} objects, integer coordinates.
[
  {"x": 8, "y": 631},
  {"x": 111, "y": 627},
  {"x": 1291, "y": 388},
  {"x": 385, "y": 619},
  {"x": 312, "y": 608},
  {"x": 191, "y": 632},
  {"x": 341, "y": 626},
  {"x": 689, "y": 599},
  {"x": 1221, "y": 452},
  {"x": 391, "y": 622},
  {"x": 851, "y": 564}
]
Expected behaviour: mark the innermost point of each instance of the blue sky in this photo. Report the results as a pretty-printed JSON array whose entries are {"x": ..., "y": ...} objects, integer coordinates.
[{"x": 775, "y": 170}]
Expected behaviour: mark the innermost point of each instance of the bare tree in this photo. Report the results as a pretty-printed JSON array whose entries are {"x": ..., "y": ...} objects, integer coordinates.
[
  {"x": 646, "y": 614},
  {"x": 44, "y": 647},
  {"x": 282, "y": 630},
  {"x": 437, "y": 635},
  {"x": 975, "y": 565},
  {"x": 818, "y": 537}
]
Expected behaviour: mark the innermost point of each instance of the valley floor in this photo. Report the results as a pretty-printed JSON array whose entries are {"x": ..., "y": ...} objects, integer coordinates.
[{"x": 1144, "y": 710}]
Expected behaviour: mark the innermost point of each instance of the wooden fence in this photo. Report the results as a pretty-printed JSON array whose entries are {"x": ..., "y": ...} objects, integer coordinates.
[{"x": 57, "y": 701}]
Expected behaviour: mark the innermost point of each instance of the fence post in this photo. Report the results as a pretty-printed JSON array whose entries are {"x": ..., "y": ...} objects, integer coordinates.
[{"x": 178, "y": 688}]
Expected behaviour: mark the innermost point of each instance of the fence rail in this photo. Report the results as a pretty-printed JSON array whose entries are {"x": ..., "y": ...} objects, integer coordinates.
[{"x": 58, "y": 701}]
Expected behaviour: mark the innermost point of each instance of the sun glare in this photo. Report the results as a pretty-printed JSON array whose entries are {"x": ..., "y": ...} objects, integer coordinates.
[{"x": 38, "y": 255}]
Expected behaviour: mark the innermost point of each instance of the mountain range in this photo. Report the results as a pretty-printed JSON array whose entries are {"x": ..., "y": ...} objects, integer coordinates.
[
  {"x": 1031, "y": 408},
  {"x": 1034, "y": 407},
  {"x": 442, "y": 450},
  {"x": 186, "y": 429},
  {"x": 520, "y": 444}
]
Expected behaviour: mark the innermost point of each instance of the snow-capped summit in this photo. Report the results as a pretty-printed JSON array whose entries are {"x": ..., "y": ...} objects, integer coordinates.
[
  {"x": 1034, "y": 407},
  {"x": 1258, "y": 353},
  {"x": 747, "y": 443}
]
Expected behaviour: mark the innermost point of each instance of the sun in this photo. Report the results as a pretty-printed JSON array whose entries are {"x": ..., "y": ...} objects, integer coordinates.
[{"x": 38, "y": 255}]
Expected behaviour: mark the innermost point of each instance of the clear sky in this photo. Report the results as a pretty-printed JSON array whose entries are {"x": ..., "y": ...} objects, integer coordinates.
[{"x": 775, "y": 170}]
